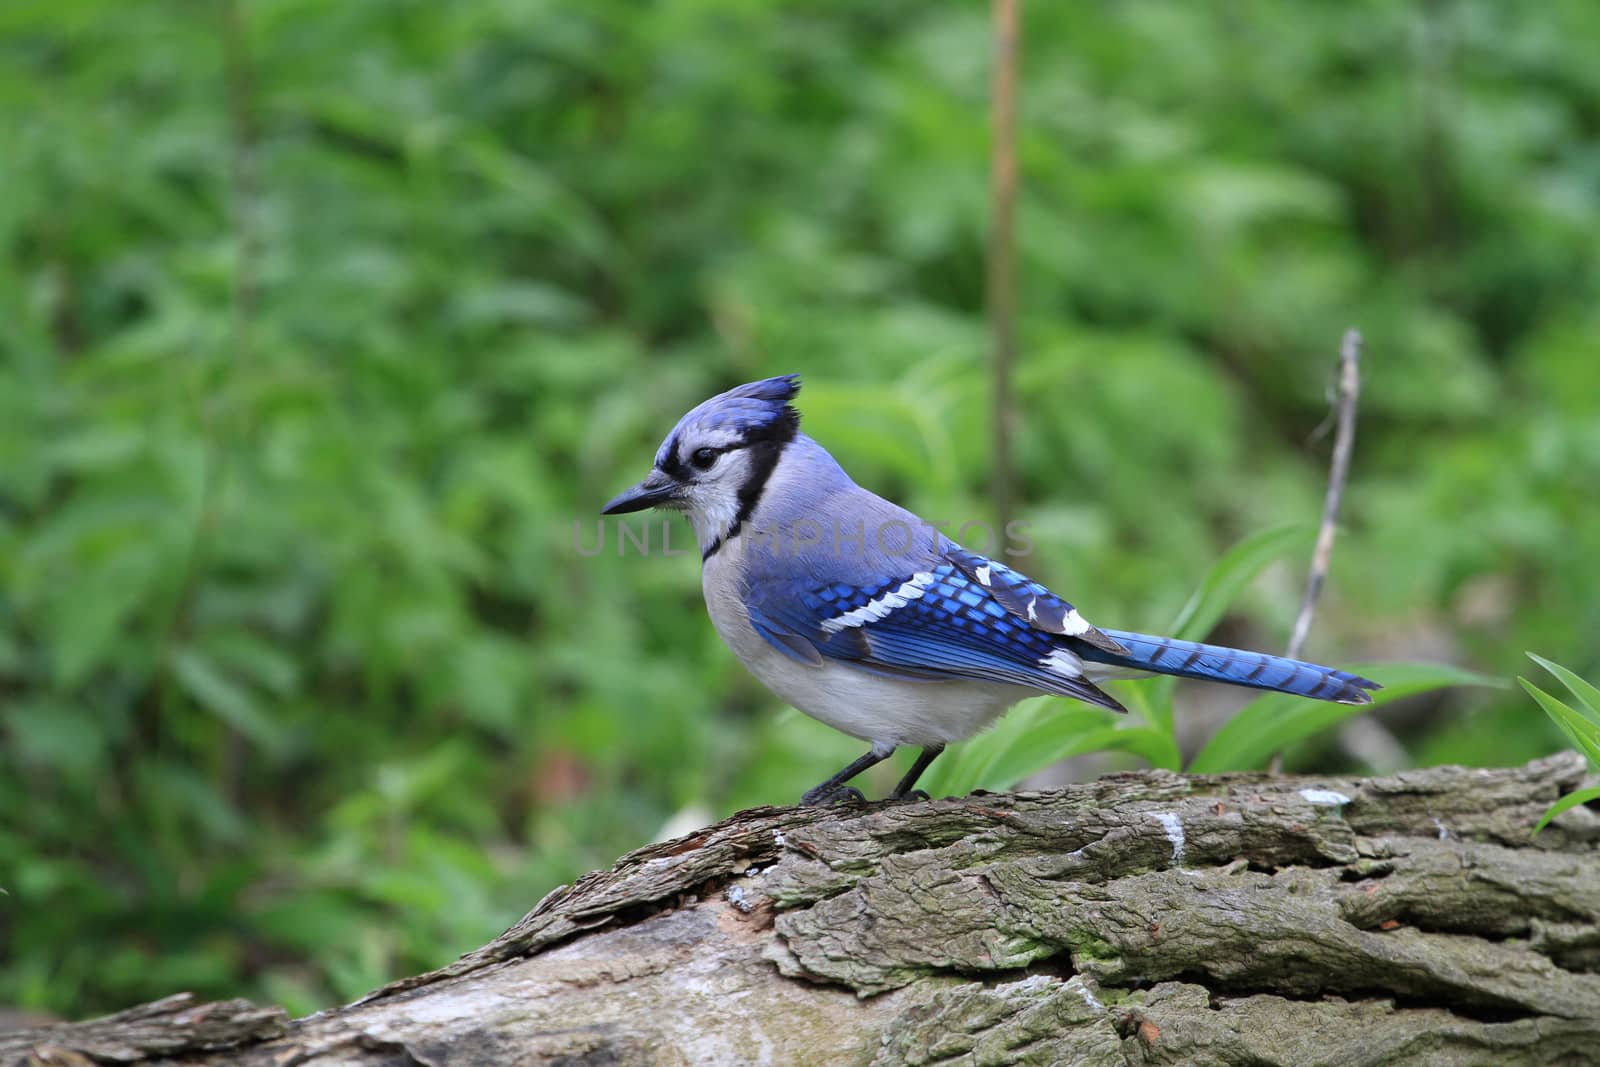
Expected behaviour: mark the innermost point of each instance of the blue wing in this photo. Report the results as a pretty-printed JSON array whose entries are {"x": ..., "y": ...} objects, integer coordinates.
[{"x": 963, "y": 616}]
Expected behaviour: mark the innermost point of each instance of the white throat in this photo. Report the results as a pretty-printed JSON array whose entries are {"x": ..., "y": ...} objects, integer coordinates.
[{"x": 713, "y": 518}]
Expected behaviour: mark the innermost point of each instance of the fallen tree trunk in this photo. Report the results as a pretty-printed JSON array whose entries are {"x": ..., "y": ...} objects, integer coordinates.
[{"x": 1144, "y": 918}]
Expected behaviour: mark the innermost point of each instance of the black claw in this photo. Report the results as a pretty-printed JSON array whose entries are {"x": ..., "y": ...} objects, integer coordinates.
[
  {"x": 917, "y": 794},
  {"x": 833, "y": 796}
]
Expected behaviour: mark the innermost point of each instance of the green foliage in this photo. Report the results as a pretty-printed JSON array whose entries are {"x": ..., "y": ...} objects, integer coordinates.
[
  {"x": 1581, "y": 724},
  {"x": 321, "y": 325}
]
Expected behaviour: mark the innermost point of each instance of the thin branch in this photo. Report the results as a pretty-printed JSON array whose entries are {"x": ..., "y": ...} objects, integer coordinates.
[
  {"x": 1349, "y": 390},
  {"x": 1001, "y": 267},
  {"x": 1338, "y": 472}
]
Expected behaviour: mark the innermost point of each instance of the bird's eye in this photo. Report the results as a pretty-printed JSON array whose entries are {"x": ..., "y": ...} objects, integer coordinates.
[{"x": 703, "y": 458}]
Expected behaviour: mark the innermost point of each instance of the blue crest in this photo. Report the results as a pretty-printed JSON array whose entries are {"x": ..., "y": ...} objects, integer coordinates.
[{"x": 753, "y": 411}]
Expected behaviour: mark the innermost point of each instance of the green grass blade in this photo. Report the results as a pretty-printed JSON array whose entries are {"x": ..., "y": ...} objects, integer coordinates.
[
  {"x": 961, "y": 770},
  {"x": 1031, "y": 743},
  {"x": 1579, "y": 728},
  {"x": 1581, "y": 725},
  {"x": 1037, "y": 734},
  {"x": 1586, "y": 693},
  {"x": 1151, "y": 745},
  {"x": 1222, "y": 585},
  {"x": 1571, "y": 800},
  {"x": 1135, "y": 696},
  {"x": 1271, "y": 723},
  {"x": 1231, "y": 574},
  {"x": 1019, "y": 763}
]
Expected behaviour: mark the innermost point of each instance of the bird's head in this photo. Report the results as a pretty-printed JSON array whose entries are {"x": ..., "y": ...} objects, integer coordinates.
[{"x": 715, "y": 462}]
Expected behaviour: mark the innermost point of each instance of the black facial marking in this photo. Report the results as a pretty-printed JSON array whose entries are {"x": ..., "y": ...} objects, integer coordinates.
[
  {"x": 766, "y": 444},
  {"x": 672, "y": 466}
]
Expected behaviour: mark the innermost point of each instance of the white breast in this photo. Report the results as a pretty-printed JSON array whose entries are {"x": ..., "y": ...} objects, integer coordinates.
[{"x": 869, "y": 706}]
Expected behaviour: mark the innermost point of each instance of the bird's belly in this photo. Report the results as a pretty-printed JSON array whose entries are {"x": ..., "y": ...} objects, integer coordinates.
[
  {"x": 865, "y": 705},
  {"x": 886, "y": 710}
]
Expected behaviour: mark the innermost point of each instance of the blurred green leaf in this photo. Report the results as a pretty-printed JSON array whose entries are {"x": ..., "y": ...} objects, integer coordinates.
[
  {"x": 225, "y": 698},
  {"x": 1232, "y": 574},
  {"x": 1035, "y": 735},
  {"x": 1273, "y": 722},
  {"x": 59, "y": 737},
  {"x": 1217, "y": 592}
]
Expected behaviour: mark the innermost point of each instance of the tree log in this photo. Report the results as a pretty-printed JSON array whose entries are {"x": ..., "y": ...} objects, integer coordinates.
[{"x": 1145, "y": 918}]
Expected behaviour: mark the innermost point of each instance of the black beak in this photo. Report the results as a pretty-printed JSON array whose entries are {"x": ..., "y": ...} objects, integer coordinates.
[{"x": 654, "y": 491}]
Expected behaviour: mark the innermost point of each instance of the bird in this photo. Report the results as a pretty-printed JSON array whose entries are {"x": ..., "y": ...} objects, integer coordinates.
[{"x": 865, "y": 617}]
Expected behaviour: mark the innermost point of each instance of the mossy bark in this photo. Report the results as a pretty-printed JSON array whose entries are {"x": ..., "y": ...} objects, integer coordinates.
[{"x": 1145, "y": 918}]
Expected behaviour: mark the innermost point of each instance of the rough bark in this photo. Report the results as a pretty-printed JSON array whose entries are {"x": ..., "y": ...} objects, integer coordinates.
[{"x": 1140, "y": 919}]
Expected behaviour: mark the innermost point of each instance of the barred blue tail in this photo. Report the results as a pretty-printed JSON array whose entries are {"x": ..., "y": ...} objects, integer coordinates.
[{"x": 1190, "y": 659}]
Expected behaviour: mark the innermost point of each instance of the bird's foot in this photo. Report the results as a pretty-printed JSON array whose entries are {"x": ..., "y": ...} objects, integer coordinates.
[
  {"x": 915, "y": 794},
  {"x": 829, "y": 796}
]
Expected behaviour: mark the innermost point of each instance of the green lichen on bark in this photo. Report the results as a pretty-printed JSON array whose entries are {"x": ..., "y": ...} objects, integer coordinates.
[
  {"x": 1040, "y": 1020},
  {"x": 1181, "y": 1025}
]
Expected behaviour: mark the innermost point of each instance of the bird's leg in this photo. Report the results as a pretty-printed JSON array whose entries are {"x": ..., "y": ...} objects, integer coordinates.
[
  {"x": 833, "y": 791},
  {"x": 903, "y": 790}
]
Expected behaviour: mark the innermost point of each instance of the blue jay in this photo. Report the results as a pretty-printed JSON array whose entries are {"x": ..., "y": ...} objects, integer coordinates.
[{"x": 865, "y": 617}]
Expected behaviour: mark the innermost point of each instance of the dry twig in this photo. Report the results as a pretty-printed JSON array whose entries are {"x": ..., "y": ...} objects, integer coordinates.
[
  {"x": 1346, "y": 395},
  {"x": 1344, "y": 441}
]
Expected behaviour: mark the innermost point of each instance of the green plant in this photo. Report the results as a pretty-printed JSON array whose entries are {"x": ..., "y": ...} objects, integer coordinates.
[{"x": 1581, "y": 724}]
